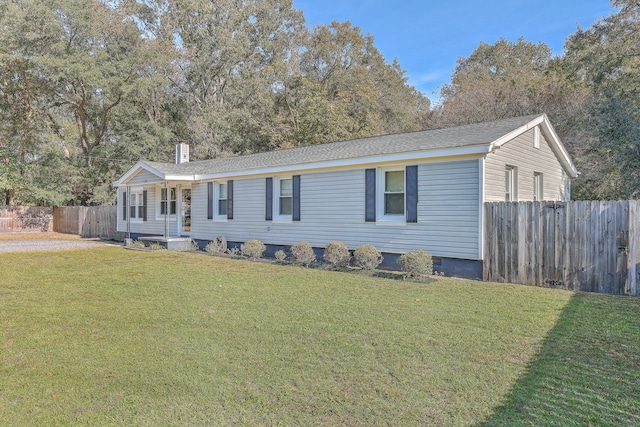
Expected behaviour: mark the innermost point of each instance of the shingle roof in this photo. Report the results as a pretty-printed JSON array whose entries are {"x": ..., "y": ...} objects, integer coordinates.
[{"x": 455, "y": 137}]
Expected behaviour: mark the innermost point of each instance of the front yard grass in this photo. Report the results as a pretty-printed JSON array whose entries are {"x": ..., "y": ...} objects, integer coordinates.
[{"x": 114, "y": 337}]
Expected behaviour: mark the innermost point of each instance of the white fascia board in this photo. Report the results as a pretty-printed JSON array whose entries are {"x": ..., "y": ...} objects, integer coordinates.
[
  {"x": 552, "y": 138},
  {"x": 131, "y": 172},
  {"x": 517, "y": 132},
  {"x": 481, "y": 197},
  {"x": 179, "y": 178},
  {"x": 407, "y": 157},
  {"x": 558, "y": 146}
]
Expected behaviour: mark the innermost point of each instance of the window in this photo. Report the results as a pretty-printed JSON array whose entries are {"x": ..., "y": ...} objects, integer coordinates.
[
  {"x": 391, "y": 195},
  {"x": 538, "y": 193},
  {"x": 285, "y": 197},
  {"x": 510, "y": 184},
  {"x": 136, "y": 205},
  {"x": 168, "y": 201},
  {"x": 221, "y": 199},
  {"x": 394, "y": 192},
  {"x": 282, "y": 198}
]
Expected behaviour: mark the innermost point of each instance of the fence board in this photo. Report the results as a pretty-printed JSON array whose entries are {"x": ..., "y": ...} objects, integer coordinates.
[
  {"x": 85, "y": 221},
  {"x": 582, "y": 245},
  {"x": 25, "y": 218}
]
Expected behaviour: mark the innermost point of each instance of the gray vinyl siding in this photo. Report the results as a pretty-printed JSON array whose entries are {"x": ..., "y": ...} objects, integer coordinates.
[
  {"x": 155, "y": 223},
  {"x": 143, "y": 177},
  {"x": 333, "y": 208},
  {"x": 521, "y": 153}
]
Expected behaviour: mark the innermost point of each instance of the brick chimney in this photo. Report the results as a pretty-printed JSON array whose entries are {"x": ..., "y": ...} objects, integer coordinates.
[{"x": 182, "y": 153}]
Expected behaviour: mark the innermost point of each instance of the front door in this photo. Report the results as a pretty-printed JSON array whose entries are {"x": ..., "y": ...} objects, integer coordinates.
[{"x": 186, "y": 210}]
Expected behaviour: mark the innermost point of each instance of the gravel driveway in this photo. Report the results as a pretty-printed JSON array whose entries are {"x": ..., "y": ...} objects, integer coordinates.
[{"x": 44, "y": 245}]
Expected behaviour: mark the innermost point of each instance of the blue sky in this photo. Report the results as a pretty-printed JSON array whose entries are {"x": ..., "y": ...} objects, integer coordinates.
[{"x": 428, "y": 36}]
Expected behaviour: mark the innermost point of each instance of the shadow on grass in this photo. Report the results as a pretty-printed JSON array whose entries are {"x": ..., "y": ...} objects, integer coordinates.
[{"x": 587, "y": 372}]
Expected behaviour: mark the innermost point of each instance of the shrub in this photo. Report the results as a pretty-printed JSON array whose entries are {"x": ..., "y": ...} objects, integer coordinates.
[
  {"x": 253, "y": 249},
  {"x": 367, "y": 257},
  {"x": 193, "y": 246},
  {"x": 234, "y": 251},
  {"x": 280, "y": 255},
  {"x": 303, "y": 253},
  {"x": 156, "y": 247},
  {"x": 337, "y": 254},
  {"x": 416, "y": 262},
  {"x": 137, "y": 244},
  {"x": 217, "y": 246}
]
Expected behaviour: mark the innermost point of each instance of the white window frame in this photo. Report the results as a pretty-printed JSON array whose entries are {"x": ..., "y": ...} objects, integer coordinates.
[
  {"x": 383, "y": 217},
  {"x": 136, "y": 208},
  {"x": 538, "y": 187},
  {"x": 168, "y": 201},
  {"x": 277, "y": 216},
  {"x": 217, "y": 193},
  {"x": 510, "y": 183}
]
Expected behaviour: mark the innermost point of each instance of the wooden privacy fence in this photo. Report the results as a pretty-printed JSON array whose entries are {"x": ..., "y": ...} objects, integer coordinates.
[
  {"x": 85, "y": 221},
  {"x": 25, "y": 218},
  {"x": 582, "y": 245}
]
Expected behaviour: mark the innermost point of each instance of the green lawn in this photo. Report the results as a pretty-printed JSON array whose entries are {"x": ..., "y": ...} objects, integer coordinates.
[{"x": 115, "y": 337}]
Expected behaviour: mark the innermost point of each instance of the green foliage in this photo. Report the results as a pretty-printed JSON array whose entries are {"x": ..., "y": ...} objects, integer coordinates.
[
  {"x": 606, "y": 58},
  {"x": 88, "y": 88},
  {"x": 495, "y": 354},
  {"x": 302, "y": 253},
  {"x": 416, "y": 262},
  {"x": 337, "y": 254},
  {"x": 507, "y": 79},
  {"x": 367, "y": 257},
  {"x": 253, "y": 249}
]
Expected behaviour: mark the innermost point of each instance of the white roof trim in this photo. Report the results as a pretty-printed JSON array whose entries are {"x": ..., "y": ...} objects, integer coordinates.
[
  {"x": 143, "y": 166},
  {"x": 552, "y": 137},
  {"x": 134, "y": 170}
]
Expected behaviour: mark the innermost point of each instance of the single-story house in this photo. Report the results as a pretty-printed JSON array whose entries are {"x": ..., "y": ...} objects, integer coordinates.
[{"x": 418, "y": 190}]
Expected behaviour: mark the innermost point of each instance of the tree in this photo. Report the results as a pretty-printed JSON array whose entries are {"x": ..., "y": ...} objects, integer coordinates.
[
  {"x": 67, "y": 70},
  {"x": 231, "y": 52},
  {"x": 21, "y": 41},
  {"x": 515, "y": 79},
  {"x": 88, "y": 87},
  {"x": 345, "y": 89},
  {"x": 607, "y": 58},
  {"x": 498, "y": 81}
]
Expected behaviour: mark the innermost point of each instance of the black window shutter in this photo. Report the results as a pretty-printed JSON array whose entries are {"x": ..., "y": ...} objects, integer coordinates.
[
  {"x": 370, "y": 195},
  {"x": 230, "y": 199},
  {"x": 296, "y": 198},
  {"x": 209, "y": 200},
  {"x": 144, "y": 205},
  {"x": 268, "y": 216},
  {"x": 124, "y": 205},
  {"x": 411, "y": 196}
]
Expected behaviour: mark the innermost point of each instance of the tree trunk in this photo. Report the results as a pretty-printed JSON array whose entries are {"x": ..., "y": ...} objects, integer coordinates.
[{"x": 9, "y": 197}]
